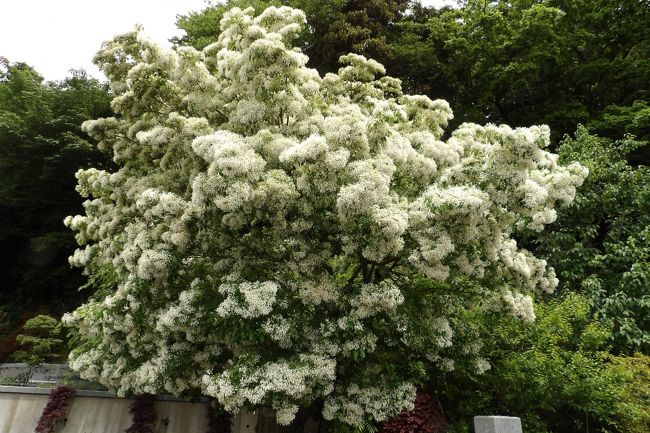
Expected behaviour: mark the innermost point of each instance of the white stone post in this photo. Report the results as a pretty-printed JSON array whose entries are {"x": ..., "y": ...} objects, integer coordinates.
[{"x": 497, "y": 424}]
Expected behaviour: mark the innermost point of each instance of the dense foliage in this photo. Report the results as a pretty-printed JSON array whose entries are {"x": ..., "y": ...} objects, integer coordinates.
[
  {"x": 557, "y": 374},
  {"x": 41, "y": 146},
  {"x": 288, "y": 239},
  {"x": 601, "y": 244},
  {"x": 522, "y": 62}
]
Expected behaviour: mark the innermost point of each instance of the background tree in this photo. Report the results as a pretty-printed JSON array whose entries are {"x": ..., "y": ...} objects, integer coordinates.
[
  {"x": 282, "y": 238},
  {"x": 41, "y": 142},
  {"x": 616, "y": 121},
  {"x": 551, "y": 62},
  {"x": 601, "y": 244},
  {"x": 419, "y": 57},
  {"x": 356, "y": 26}
]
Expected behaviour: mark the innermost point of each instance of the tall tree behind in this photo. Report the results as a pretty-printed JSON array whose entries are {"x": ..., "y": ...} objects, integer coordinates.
[
  {"x": 356, "y": 26},
  {"x": 529, "y": 61},
  {"x": 336, "y": 27},
  {"x": 600, "y": 245},
  {"x": 421, "y": 58},
  {"x": 41, "y": 147}
]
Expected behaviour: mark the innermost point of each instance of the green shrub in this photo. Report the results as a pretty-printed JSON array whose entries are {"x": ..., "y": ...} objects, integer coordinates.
[
  {"x": 41, "y": 341},
  {"x": 600, "y": 245},
  {"x": 635, "y": 395},
  {"x": 556, "y": 374}
]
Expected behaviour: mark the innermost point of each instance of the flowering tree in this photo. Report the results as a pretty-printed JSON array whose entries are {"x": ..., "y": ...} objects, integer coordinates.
[{"x": 288, "y": 239}]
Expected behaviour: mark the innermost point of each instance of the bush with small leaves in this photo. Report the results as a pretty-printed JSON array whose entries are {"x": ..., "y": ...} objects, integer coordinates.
[{"x": 43, "y": 340}]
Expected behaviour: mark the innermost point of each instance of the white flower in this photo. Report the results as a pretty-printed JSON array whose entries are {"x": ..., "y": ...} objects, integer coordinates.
[
  {"x": 257, "y": 298},
  {"x": 520, "y": 306},
  {"x": 375, "y": 298}
]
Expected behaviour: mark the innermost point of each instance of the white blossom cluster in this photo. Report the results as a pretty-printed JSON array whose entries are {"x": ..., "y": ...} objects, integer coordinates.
[
  {"x": 278, "y": 236},
  {"x": 247, "y": 299},
  {"x": 357, "y": 402},
  {"x": 244, "y": 385}
]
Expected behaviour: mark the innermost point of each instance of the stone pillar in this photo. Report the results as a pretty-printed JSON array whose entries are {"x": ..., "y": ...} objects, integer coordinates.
[{"x": 497, "y": 424}]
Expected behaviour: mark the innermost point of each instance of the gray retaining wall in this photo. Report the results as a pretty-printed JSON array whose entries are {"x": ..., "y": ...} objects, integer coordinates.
[
  {"x": 95, "y": 412},
  {"x": 101, "y": 412}
]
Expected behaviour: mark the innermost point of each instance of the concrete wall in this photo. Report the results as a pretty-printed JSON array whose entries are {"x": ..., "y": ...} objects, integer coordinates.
[
  {"x": 104, "y": 415},
  {"x": 99, "y": 412},
  {"x": 18, "y": 412}
]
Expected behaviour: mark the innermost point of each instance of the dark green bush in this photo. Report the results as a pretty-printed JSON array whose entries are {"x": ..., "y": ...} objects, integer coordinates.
[
  {"x": 557, "y": 374},
  {"x": 42, "y": 340}
]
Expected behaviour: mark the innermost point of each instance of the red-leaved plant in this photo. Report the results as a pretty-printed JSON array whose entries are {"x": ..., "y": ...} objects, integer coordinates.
[
  {"x": 426, "y": 417},
  {"x": 143, "y": 415},
  {"x": 55, "y": 409}
]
